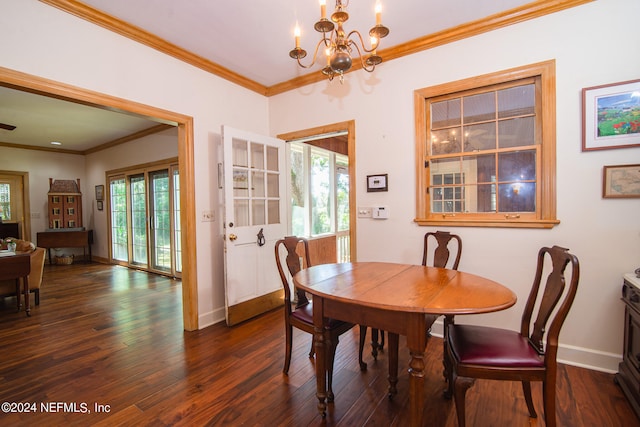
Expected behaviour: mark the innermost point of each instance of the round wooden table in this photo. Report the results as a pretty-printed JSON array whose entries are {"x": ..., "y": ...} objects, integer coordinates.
[{"x": 401, "y": 299}]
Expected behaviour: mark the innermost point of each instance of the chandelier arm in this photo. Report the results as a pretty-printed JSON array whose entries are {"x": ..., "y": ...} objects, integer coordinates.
[
  {"x": 356, "y": 32},
  {"x": 368, "y": 69},
  {"x": 326, "y": 41}
]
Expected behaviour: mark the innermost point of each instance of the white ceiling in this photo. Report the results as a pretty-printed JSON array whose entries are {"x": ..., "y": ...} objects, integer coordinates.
[{"x": 250, "y": 37}]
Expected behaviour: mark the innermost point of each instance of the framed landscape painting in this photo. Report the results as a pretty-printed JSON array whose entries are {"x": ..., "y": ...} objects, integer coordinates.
[{"x": 611, "y": 116}]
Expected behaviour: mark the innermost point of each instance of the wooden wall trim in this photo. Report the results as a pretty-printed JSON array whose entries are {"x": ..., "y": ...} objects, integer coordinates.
[{"x": 23, "y": 81}]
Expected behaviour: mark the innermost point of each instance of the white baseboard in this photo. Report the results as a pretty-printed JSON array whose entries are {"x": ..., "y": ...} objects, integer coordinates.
[{"x": 211, "y": 318}]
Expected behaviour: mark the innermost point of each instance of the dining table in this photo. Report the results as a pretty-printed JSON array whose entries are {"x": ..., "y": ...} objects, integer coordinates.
[
  {"x": 16, "y": 266},
  {"x": 402, "y": 299}
]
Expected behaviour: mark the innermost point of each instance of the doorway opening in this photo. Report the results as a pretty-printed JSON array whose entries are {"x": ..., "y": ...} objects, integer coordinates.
[
  {"x": 323, "y": 189},
  {"x": 45, "y": 87}
]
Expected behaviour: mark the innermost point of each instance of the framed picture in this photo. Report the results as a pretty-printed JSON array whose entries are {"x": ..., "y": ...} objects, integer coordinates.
[
  {"x": 377, "y": 183},
  {"x": 611, "y": 116},
  {"x": 621, "y": 182},
  {"x": 100, "y": 206},
  {"x": 99, "y": 192}
]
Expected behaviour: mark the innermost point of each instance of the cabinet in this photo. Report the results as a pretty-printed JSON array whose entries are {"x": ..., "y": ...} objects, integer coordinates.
[
  {"x": 628, "y": 376},
  {"x": 9, "y": 229}
]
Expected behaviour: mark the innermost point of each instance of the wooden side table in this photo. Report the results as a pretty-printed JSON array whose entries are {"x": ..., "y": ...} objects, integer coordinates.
[{"x": 65, "y": 239}]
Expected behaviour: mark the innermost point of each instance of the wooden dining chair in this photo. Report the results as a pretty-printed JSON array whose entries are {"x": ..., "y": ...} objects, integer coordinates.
[
  {"x": 500, "y": 354},
  {"x": 301, "y": 316}
]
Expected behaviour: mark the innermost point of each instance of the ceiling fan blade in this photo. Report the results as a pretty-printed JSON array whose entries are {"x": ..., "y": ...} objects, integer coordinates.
[{"x": 6, "y": 126}]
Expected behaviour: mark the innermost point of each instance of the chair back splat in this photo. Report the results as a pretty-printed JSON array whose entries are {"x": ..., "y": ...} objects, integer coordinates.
[{"x": 442, "y": 252}]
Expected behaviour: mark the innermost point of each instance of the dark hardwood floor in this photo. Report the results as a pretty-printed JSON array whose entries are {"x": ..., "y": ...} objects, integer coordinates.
[{"x": 106, "y": 347}]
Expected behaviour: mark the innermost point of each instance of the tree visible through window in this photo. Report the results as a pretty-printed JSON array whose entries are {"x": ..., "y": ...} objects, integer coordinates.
[
  {"x": 319, "y": 191},
  {"x": 486, "y": 150}
]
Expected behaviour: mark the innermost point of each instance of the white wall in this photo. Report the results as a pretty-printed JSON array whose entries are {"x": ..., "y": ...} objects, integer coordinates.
[
  {"x": 46, "y": 42},
  {"x": 42, "y": 165},
  {"x": 591, "y": 46}
]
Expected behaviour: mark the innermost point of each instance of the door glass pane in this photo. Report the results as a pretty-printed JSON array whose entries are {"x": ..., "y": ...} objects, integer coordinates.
[
  {"x": 241, "y": 210},
  {"x": 273, "y": 185},
  {"x": 258, "y": 212},
  {"x": 240, "y": 153},
  {"x": 257, "y": 156},
  {"x": 161, "y": 230},
  {"x": 138, "y": 219},
  {"x": 240, "y": 183},
  {"x": 257, "y": 184},
  {"x": 272, "y": 159},
  {"x": 119, "y": 231},
  {"x": 274, "y": 211},
  {"x": 177, "y": 239}
]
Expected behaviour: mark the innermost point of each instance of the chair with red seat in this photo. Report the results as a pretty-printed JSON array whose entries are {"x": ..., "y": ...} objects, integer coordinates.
[
  {"x": 301, "y": 316},
  {"x": 500, "y": 354}
]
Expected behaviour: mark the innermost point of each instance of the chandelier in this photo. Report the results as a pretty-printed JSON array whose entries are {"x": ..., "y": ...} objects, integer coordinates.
[{"x": 338, "y": 44}]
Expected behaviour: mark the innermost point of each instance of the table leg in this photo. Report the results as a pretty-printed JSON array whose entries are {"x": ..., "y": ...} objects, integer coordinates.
[
  {"x": 321, "y": 354},
  {"x": 417, "y": 343},
  {"x": 27, "y": 305},
  {"x": 393, "y": 364}
]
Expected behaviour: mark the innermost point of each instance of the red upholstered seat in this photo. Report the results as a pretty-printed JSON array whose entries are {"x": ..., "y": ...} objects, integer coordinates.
[
  {"x": 305, "y": 314},
  {"x": 478, "y": 345}
]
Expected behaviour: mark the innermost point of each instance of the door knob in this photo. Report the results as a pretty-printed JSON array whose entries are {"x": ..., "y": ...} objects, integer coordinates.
[{"x": 232, "y": 237}]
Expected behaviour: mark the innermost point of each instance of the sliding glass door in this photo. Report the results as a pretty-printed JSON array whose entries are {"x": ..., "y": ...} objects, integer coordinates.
[{"x": 145, "y": 218}]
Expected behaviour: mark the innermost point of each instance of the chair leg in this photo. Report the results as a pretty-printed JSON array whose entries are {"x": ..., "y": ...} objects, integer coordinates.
[
  {"x": 287, "y": 352},
  {"x": 460, "y": 387},
  {"x": 526, "y": 388},
  {"x": 312, "y": 351},
  {"x": 331, "y": 355},
  {"x": 549, "y": 398},
  {"x": 446, "y": 362},
  {"x": 375, "y": 345},
  {"x": 363, "y": 336},
  {"x": 36, "y": 292}
]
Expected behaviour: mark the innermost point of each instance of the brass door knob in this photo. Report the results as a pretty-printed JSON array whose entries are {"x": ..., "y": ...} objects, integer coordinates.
[{"x": 232, "y": 237}]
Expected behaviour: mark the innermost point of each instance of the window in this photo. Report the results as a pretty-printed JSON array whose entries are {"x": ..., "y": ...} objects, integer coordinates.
[
  {"x": 319, "y": 191},
  {"x": 5, "y": 201},
  {"x": 486, "y": 150},
  {"x": 144, "y": 210}
]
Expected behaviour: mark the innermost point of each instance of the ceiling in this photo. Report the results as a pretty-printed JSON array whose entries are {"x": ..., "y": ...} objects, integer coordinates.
[{"x": 249, "y": 38}]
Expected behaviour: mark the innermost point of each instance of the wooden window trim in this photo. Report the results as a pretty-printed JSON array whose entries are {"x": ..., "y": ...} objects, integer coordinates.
[{"x": 545, "y": 215}]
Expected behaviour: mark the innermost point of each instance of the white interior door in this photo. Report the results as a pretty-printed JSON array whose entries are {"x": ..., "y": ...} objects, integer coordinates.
[{"x": 255, "y": 218}]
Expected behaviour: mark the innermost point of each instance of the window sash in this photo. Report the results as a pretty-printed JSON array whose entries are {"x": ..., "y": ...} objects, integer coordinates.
[{"x": 488, "y": 201}]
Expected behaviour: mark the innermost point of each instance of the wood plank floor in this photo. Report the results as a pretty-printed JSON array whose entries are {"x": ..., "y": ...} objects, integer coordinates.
[{"x": 106, "y": 347}]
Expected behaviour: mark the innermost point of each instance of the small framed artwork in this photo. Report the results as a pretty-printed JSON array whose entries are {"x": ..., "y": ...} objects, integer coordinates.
[
  {"x": 377, "y": 183},
  {"x": 621, "y": 182},
  {"x": 611, "y": 116},
  {"x": 100, "y": 206},
  {"x": 99, "y": 192}
]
